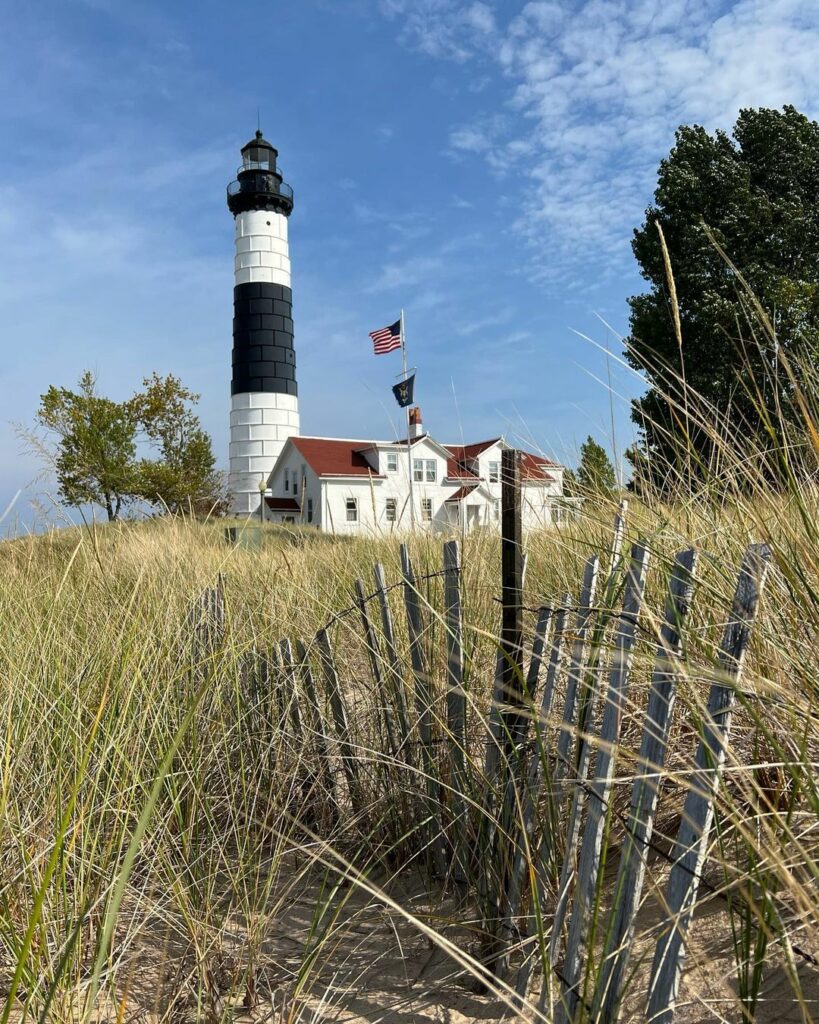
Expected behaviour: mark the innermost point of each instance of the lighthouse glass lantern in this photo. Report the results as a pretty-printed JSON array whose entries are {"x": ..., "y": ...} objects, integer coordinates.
[{"x": 264, "y": 408}]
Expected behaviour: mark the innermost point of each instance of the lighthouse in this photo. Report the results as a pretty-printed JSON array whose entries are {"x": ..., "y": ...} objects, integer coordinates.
[{"x": 264, "y": 404}]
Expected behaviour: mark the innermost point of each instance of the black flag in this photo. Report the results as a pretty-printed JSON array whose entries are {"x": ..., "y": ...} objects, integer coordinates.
[{"x": 403, "y": 391}]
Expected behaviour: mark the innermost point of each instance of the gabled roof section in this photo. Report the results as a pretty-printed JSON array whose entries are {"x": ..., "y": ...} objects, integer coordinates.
[
  {"x": 534, "y": 467},
  {"x": 462, "y": 452},
  {"x": 455, "y": 471},
  {"x": 329, "y": 456},
  {"x": 462, "y": 492},
  {"x": 436, "y": 445}
]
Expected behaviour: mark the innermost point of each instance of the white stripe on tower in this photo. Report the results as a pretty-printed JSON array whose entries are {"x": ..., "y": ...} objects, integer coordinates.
[{"x": 264, "y": 398}]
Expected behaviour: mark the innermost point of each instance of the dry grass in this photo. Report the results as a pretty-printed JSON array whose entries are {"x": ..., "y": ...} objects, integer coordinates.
[
  {"x": 168, "y": 847},
  {"x": 165, "y": 855}
]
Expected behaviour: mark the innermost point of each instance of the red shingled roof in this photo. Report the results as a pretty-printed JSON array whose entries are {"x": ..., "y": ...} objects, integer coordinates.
[
  {"x": 462, "y": 452},
  {"x": 461, "y": 493},
  {"x": 454, "y": 469},
  {"x": 329, "y": 457},
  {"x": 282, "y": 504},
  {"x": 533, "y": 467}
]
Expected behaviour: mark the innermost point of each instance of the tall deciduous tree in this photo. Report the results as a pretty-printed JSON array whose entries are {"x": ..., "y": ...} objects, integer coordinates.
[
  {"x": 758, "y": 194},
  {"x": 96, "y": 445},
  {"x": 183, "y": 477}
]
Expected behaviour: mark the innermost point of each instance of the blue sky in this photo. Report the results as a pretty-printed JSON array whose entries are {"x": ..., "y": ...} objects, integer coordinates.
[{"x": 480, "y": 164}]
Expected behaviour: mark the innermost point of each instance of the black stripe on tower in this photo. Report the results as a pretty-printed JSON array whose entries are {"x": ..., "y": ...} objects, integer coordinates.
[{"x": 263, "y": 355}]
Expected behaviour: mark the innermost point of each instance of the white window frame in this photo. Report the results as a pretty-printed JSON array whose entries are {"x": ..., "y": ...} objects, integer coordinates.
[
  {"x": 392, "y": 462},
  {"x": 431, "y": 474},
  {"x": 496, "y": 509},
  {"x": 351, "y": 506},
  {"x": 494, "y": 472},
  {"x": 418, "y": 470},
  {"x": 426, "y": 510},
  {"x": 391, "y": 510}
]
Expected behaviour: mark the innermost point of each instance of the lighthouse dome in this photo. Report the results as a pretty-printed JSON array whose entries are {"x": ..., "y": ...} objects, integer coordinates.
[
  {"x": 259, "y": 184},
  {"x": 258, "y": 154}
]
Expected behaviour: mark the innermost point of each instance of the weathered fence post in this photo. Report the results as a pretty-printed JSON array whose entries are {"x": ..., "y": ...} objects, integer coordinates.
[
  {"x": 375, "y": 667},
  {"x": 585, "y": 889},
  {"x": 423, "y": 710},
  {"x": 394, "y": 665},
  {"x": 456, "y": 703},
  {"x": 698, "y": 810},
  {"x": 515, "y": 706},
  {"x": 292, "y": 696},
  {"x": 574, "y": 675},
  {"x": 547, "y": 848},
  {"x": 554, "y": 619},
  {"x": 317, "y": 725},
  {"x": 521, "y": 830},
  {"x": 339, "y": 713},
  {"x": 644, "y": 794}
]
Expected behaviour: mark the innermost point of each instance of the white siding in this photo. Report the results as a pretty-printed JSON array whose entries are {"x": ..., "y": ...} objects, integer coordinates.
[{"x": 330, "y": 496}]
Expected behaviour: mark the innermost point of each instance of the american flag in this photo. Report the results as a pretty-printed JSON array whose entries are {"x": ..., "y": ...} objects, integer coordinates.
[{"x": 386, "y": 339}]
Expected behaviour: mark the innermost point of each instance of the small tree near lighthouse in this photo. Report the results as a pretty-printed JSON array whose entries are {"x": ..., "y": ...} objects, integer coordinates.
[{"x": 95, "y": 450}]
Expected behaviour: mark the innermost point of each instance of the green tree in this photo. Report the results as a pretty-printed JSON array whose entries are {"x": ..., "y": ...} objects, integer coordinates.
[
  {"x": 183, "y": 477},
  {"x": 96, "y": 445},
  {"x": 96, "y": 452},
  {"x": 595, "y": 473},
  {"x": 757, "y": 195}
]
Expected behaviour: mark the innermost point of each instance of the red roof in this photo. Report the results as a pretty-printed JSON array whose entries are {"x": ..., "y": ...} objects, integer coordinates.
[
  {"x": 462, "y": 492},
  {"x": 283, "y": 504},
  {"x": 328, "y": 457},
  {"x": 462, "y": 452},
  {"x": 533, "y": 467},
  {"x": 454, "y": 469}
]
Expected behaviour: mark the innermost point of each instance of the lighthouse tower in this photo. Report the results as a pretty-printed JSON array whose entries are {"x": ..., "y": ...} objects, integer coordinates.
[{"x": 264, "y": 405}]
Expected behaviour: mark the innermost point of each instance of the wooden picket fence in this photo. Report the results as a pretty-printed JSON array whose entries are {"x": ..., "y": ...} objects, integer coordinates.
[{"x": 516, "y": 812}]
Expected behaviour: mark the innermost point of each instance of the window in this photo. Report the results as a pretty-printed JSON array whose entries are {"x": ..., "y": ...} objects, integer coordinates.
[
  {"x": 494, "y": 472},
  {"x": 352, "y": 510},
  {"x": 426, "y": 509},
  {"x": 287, "y": 479},
  {"x": 496, "y": 508},
  {"x": 295, "y": 485},
  {"x": 390, "y": 509},
  {"x": 309, "y": 510},
  {"x": 424, "y": 469},
  {"x": 392, "y": 462}
]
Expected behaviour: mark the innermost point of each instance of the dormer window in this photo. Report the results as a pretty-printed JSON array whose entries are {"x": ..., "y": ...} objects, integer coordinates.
[
  {"x": 494, "y": 472},
  {"x": 392, "y": 462}
]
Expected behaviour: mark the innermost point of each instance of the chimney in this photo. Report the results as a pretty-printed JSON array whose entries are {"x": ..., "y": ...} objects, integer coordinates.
[{"x": 416, "y": 426}]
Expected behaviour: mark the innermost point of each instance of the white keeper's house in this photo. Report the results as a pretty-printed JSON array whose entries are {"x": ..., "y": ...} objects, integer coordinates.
[{"x": 356, "y": 486}]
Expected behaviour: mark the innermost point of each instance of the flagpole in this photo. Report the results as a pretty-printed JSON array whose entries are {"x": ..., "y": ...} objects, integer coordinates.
[{"x": 407, "y": 411}]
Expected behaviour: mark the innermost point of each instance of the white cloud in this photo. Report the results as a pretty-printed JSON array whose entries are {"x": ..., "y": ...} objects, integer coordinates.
[
  {"x": 406, "y": 274},
  {"x": 444, "y": 28},
  {"x": 597, "y": 91}
]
